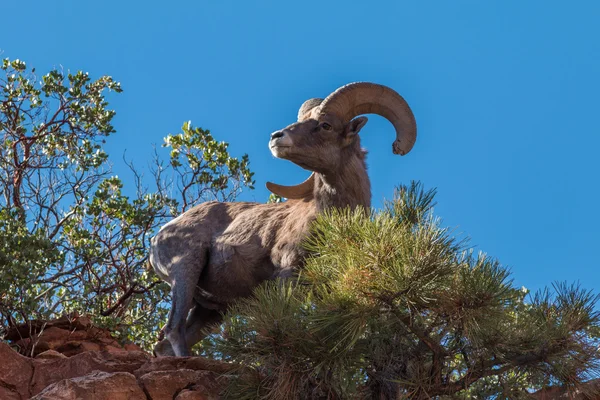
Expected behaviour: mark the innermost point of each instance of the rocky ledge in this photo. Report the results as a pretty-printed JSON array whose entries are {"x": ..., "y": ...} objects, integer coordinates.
[
  {"x": 69, "y": 358},
  {"x": 99, "y": 375},
  {"x": 68, "y": 335}
]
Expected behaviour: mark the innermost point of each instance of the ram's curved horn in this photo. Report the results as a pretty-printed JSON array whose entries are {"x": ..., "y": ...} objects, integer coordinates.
[
  {"x": 306, "y": 108},
  {"x": 359, "y": 98},
  {"x": 300, "y": 191}
]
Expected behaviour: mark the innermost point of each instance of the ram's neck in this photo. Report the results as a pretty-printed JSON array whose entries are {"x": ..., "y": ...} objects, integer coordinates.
[{"x": 350, "y": 186}]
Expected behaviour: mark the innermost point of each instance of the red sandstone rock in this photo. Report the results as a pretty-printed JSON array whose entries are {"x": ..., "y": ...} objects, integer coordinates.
[
  {"x": 190, "y": 395},
  {"x": 82, "y": 323},
  {"x": 76, "y": 335},
  {"x": 88, "y": 346},
  {"x": 68, "y": 335},
  {"x": 115, "y": 349},
  {"x": 34, "y": 327},
  {"x": 9, "y": 394},
  {"x": 37, "y": 347},
  {"x": 70, "y": 348},
  {"x": 75, "y": 360},
  {"x": 54, "y": 334},
  {"x": 179, "y": 363},
  {"x": 108, "y": 341},
  {"x": 50, "y": 355},
  {"x": 166, "y": 384},
  {"x": 132, "y": 347},
  {"x": 96, "y": 385},
  {"x": 15, "y": 374},
  {"x": 50, "y": 371}
]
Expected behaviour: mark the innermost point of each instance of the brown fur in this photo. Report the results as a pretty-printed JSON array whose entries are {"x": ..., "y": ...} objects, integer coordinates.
[{"x": 217, "y": 252}]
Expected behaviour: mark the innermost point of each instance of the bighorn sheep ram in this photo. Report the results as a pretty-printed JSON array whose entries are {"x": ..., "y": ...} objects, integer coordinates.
[{"x": 217, "y": 252}]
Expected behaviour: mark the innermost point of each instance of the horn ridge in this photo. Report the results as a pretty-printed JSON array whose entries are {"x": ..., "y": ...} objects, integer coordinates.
[{"x": 359, "y": 98}]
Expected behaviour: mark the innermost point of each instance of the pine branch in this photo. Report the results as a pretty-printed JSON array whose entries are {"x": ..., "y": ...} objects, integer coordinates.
[{"x": 586, "y": 390}]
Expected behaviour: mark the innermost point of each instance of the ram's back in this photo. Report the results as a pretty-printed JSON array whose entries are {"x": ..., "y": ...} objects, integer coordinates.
[{"x": 245, "y": 240}]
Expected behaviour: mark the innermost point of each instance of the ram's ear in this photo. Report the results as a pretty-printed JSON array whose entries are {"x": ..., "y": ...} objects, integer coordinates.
[
  {"x": 300, "y": 191},
  {"x": 353, "y": 127}
]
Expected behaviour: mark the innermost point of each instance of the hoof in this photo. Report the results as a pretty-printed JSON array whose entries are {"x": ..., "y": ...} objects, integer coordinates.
[{"x": 163, "y": 349}]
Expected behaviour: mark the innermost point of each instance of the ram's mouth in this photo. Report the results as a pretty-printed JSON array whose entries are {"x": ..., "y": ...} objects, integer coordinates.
[
  {"x": 279, "y": 143},
  {"x": 279, "y": 151}
]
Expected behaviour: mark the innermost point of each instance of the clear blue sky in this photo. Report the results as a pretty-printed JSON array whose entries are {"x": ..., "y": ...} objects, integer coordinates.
[{"x": 506, "y": 96}]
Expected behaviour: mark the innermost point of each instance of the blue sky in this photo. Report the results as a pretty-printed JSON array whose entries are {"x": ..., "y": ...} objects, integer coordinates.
[{"x": 505, "y": 94}]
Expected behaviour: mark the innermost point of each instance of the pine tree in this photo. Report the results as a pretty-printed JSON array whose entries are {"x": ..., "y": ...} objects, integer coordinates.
[{"x": 390, "y": 305}]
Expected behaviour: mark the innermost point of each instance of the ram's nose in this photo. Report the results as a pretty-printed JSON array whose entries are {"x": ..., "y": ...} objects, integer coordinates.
[{"x": 276, "y": 135}]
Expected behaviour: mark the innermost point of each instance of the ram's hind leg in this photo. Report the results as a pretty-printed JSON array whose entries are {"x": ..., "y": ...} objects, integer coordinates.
[
  {"x": 199, "y": 322},
  {"x": 183, "y": 275}
]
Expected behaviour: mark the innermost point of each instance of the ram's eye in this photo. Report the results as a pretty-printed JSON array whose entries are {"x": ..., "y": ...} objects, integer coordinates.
[{"x": 326, "y": 126}]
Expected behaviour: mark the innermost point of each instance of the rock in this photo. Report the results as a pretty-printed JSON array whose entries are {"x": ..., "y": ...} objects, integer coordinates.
[
  {"x": 114, "y": 349},
  {"x": 100, "y": 375},
  {"x": 48, "y": 371},
  {"x": 179, "y": 363},
  {"x": 89, "y": 346},
  {"x": 82, "y": 323},
  {"x": 69, "y": 335},
  {"x": 95, "y": 332},
  {"x": 50, "y": 355},
  {"x": 70, "y": 348},
  {"x": 38, "y": 347},
  {"x": 97, "y": 386},
  {"x": 107, "y": 341},
  {"x": 167, "y": 384},
  {"x": 76, "y": 335},
  {"x": 9, "y": 394},
  {"x": 54, "y": 334},
  {"x": 32, "y": 328},
  {"x": 187, "y": 394},
  {"x": 15, "y": 374},
  {"x": 132, "y": 347},
  {"x": 75, "y": 347}
]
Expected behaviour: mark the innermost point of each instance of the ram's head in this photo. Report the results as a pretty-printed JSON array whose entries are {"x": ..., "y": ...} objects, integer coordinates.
[{"x": 327, "y": 131}]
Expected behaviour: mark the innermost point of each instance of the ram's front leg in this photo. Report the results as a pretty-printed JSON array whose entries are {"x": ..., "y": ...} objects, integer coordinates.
[
  {"x": 290, "y": 260},
  {"x": 285, "y": 274}
]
